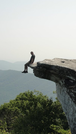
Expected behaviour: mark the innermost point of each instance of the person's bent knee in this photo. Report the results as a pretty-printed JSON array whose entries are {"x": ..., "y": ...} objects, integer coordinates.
[{"x": 27, "y": 64}]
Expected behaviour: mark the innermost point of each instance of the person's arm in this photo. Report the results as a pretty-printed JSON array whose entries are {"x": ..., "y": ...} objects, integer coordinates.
[{"x": 32, "y": 60}]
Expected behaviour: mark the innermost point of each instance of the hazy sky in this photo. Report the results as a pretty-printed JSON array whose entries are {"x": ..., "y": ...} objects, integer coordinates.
[{"x": 47, "y": 27}]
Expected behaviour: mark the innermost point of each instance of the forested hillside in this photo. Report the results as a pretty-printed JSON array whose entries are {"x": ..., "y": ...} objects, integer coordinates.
[
  {"x": 14, "y": 82},
  {"x": 33, "y": 113},
  {"x": 5, "y": 65}
]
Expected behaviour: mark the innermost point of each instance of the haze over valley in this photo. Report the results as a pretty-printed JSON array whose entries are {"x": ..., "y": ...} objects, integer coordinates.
[{"x": 13, "y": 82}]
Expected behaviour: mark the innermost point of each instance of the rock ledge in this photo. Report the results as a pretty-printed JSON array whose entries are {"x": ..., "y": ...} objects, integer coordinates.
[{"x": 63, "y": 73}]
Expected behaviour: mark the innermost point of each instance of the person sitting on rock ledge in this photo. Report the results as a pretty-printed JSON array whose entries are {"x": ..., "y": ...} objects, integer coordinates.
[{"x": 29, "y": 62}]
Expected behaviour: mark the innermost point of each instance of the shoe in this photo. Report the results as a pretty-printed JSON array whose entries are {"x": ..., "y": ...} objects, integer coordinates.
[{"x": 25, "y": 71}]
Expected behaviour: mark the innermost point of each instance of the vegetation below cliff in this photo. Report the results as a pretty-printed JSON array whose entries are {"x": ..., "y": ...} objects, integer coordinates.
[{"x": 33, "y": 113}]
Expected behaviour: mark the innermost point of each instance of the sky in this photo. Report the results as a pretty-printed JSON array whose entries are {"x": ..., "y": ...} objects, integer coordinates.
[{"x": 46, "y": 27}]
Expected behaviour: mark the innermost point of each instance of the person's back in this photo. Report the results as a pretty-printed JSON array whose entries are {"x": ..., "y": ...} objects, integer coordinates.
[
  {"x": 29, "y": 62},
  {"x": 32, "y": 58}
]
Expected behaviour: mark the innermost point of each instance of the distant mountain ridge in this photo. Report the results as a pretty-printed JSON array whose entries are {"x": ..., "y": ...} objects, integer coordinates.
[
  {"x": 14, "y": 82},
  {"x": 18, "y": 66}
]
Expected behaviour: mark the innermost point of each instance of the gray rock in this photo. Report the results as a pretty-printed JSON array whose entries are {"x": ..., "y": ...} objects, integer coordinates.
[{"x": 63, "y": 73}]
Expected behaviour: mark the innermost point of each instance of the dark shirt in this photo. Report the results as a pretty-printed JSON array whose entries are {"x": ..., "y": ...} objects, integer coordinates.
[{"x": 32, "y": 58}]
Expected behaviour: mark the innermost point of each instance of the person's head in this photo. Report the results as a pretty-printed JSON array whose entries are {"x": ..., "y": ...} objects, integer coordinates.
[{"x": 31, "y": 52}]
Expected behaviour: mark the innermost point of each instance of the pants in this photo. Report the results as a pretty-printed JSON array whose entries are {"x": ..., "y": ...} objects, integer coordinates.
[{"x": 26, "y": 65}]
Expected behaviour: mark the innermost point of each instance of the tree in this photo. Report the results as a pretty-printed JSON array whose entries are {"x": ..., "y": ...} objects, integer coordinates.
[
  {"x": 32, "y": 112},
  {"x": 39, "y": 113}
]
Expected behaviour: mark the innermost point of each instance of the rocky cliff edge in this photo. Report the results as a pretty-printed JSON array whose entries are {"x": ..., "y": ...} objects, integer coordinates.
[{"x": 63, "y": 73}]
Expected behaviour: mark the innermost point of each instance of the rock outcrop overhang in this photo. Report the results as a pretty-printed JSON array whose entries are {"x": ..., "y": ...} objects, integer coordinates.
[
  {"x": 57, "y": 66},
  {"x": 63, "y": 73}
]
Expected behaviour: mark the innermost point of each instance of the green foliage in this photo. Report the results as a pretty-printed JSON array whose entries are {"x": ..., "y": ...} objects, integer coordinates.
[
  {"x": 31, "y": 113},
  {"x": 4, "y": 132}
]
